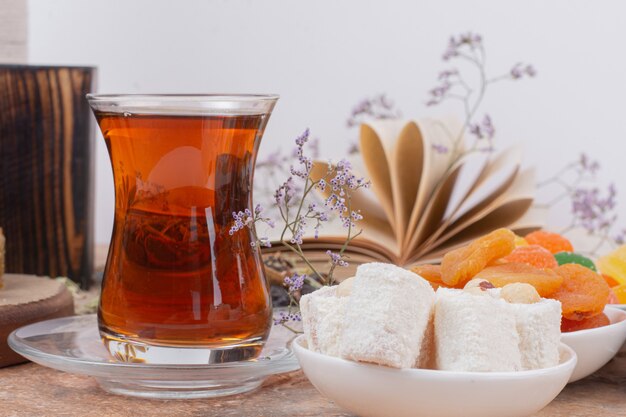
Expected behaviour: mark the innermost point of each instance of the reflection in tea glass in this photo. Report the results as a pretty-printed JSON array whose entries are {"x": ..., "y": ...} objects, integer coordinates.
[{"x": 176, "y": 282}]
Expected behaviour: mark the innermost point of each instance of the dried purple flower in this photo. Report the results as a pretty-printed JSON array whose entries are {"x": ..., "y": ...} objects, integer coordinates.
[
  {"x": 587, "y": 165},
  {"x": 484, "y": 130},
  {"x": 247, "y": 218},
  {"x": 372, "y": 108},
  {"x": 593, "y": 211},
  {"x": 286, "y": 317},
  {"x": 452, "y": 85},
  {"x": 306, "y": 163},
  {"x": 342, "y": 182},
  {"x": 241, "y": 219},
  {"x": 294, "y": 282},
  {"x": 455, "y": 44},
  {"x": 447, "y": 74},
  {"x": 285, "y": 193},
  {"x": 336, "y": 258},
  {"x": 520, "y": 70},
  {"x": 438, "y": 94}
]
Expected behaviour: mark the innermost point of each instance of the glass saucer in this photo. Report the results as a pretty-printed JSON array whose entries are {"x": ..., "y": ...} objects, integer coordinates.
[{"x": 73, "y": 344}]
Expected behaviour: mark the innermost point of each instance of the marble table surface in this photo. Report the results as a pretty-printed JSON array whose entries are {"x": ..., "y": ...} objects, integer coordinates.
[{"x": 32, "y": 390}]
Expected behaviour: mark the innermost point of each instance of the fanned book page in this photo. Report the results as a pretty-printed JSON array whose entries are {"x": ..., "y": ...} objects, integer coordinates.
[{"x": 423, "y": 201}]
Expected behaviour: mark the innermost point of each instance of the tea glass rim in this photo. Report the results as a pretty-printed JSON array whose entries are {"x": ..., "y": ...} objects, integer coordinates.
[
  {"x": 182, "y": 96},
  {"x": 183, "y": 103}
]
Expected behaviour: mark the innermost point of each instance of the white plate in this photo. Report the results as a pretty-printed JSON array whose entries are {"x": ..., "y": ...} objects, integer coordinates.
[
  {"x": 620, "y": 306},
  {"x": 378, "y": 391},
  {"x": 73, "y": 344},
  {"x": 595, "y": 347}
]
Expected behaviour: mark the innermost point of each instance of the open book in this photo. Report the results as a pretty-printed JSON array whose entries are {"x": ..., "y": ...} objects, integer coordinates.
[{"x": 424, "y": 202}]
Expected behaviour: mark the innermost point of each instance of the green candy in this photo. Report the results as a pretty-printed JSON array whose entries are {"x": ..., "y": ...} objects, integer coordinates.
[{"x": 573, "y": 258}]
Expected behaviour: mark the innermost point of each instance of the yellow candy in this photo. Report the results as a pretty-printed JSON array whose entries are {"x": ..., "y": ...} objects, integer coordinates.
[
  {"x": 614, "y": 264},
  {"x": 520, "y": 241}
]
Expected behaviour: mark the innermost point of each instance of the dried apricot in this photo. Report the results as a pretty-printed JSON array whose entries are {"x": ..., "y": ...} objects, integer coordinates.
[
  {"x": 583, "y": 294},
  {"x": 545, "y": 281},
  {"x": 533, "y": 255},
  {"x": 462, "y": 264},
  {"x": 431, "y": 273},
  {"x": 598, "y": 320},
  {"x": 553, "y": 242}
]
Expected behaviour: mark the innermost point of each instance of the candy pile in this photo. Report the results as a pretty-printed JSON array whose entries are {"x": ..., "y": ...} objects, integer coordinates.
[{"x": 546, "y": 261}]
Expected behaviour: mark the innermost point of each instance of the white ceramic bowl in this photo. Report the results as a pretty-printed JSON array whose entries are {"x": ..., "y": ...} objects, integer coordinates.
[
  {"x": 595, "y": 347},
  {"x": 378, "y": 391}
]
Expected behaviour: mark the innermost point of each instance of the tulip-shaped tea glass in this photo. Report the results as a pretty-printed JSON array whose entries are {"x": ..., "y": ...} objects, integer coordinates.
[{"x": 178, "y": 287}]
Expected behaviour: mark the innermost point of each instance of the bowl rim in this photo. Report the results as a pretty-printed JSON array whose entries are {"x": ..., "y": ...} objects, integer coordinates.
[
  {"x": 598, "y": 330},
  {"x": 568, "y": 359}
]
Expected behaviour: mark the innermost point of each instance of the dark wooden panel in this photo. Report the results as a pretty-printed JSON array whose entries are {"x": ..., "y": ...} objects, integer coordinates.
[{"x": 47, "y": 170}]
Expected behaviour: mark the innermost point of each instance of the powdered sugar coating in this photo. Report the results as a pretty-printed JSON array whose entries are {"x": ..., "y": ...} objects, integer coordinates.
[
  {"x": 475, "y": 333},
  {"x": 386, "y": 316}
]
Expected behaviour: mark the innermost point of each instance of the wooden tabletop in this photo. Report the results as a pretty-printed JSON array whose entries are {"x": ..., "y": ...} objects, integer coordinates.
[{"x": 32, "y": 390}]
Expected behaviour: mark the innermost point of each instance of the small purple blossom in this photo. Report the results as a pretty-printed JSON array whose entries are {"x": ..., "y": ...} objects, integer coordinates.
[
  {"x": 247, "y": 218},
  {"x": 592, "y": 210},
  {"x": 286, "y": 317},
  {"x": 285, "y": 193},
  {"x": 438, "y": 94},
  {"x": 447, "y": 74},
  {"x": 336, "y": 258},
  {"x": 456, "y": 43},
  {"x": 587, "y": 165},
  {"x": 306, "y": 163},
  {"x": 378, "y": 107},
  {"x": 484, "y": 130},
  {"x": 520, "y": 70},
  {"x": 318, "y": 214},
  {"x": 442, "y": 149},
  {"x": 342, "y": 182},
  {"x": 299, "y": 231},
  {"x": 294, "y": 283},
  {"x": 241, "y": 219}
]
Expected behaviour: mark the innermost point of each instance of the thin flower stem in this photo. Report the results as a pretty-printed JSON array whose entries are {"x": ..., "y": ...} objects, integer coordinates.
[
  {"x": 298, "y": 251},
  {"x": 558, "y": 198},
  {"x": 557, "y": 176},
  {"x": 286, "y": 326}
]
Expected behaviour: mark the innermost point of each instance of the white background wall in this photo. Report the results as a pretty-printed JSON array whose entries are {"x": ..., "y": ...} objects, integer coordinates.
[{"x": 323, "y": 56}]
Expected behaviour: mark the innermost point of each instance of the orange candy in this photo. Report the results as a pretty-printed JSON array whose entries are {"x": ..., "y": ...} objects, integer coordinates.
[
  {"x": 553, "y": 242},
  {"x": 462, "y": 264},
  {"x": 598, "y": 320},
  {"x": 620, "y": 294},
  {"x": 533, "y": 255},
  {"x": 612, "y": 282},
  {"x": 431, "y": 273},
  {"x": 583, "y": 294},
  {"x": 545, "y": 281}
]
